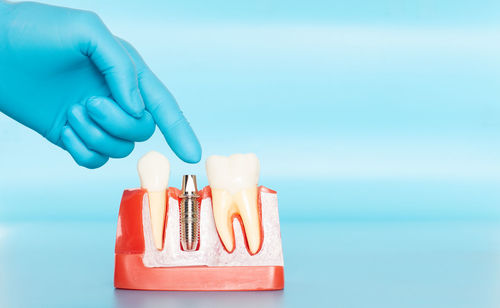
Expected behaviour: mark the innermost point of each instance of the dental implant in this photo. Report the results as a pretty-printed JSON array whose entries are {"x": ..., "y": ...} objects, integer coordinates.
[{"x": 190, "y": 214}]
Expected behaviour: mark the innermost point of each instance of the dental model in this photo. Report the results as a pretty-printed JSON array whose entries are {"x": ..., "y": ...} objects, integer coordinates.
[
  {"x": 233, "y": 181},
  {"x": 225, "y": 236},
  {"x": 154, "y": 171}
]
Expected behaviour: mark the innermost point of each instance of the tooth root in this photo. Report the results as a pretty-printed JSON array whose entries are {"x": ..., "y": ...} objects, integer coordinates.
[
  {"x": 246, "y": 201},
  {"x": 157, "y": 209},
  {"x": 222, "y": 210}
]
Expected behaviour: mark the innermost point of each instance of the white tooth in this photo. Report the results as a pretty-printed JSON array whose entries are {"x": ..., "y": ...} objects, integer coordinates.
[
  {"x": 233, "y": 181},
  {"x": 154, "y": 172}
]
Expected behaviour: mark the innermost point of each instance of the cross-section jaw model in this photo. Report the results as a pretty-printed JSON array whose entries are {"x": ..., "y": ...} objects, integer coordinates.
[{"x": 223, "y": 237}]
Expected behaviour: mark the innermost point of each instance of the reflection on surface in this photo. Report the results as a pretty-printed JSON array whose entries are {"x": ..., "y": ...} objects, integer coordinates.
[{"x": 143, "y": 299}]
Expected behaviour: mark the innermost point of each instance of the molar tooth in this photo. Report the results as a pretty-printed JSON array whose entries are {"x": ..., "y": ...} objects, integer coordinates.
[
  {"x": 154, "y": 173},
  {"x": 233, "y": 181}
]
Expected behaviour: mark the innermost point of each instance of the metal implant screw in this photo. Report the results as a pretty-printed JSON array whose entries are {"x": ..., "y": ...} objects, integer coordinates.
[{"x": 190, "y": 214}]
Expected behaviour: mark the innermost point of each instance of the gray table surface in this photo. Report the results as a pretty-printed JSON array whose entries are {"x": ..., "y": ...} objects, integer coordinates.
[{"x": 333, "y": 264}]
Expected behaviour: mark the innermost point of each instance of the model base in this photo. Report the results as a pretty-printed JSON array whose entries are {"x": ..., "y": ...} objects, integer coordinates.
[{"x": 130, "y": 273}]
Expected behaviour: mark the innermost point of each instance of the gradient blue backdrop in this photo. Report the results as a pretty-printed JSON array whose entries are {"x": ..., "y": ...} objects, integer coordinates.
[
  {"x": 371, "y": 110},
  {"x": 378, "y": 123}
]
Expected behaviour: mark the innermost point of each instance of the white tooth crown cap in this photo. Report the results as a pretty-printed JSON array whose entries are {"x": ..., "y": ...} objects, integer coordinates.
[
  {"x": 233, "y": 173},
  {"x": 154, "y": 171}
]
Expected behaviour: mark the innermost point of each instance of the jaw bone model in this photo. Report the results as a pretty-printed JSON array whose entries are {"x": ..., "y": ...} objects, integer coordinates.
[{"x": 233, "y": 254}]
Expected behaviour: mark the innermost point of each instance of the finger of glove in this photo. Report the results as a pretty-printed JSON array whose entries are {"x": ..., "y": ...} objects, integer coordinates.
[
  {"x": 114, "y": 63},
  {"x": 114, "y": 120},
  {"x": 165, "y": 111},
  {"x": 80, "y": 153},
  {"x": 94, "y": 137}
]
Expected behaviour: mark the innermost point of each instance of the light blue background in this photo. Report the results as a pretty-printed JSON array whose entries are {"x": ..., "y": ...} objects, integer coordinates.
[
  {"x": 378, "y": 123},
  {"x": 356, "y": 109}
]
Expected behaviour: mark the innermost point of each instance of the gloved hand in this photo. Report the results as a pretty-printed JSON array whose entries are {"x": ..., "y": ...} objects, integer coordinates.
[{"x": 63, "y": 74}]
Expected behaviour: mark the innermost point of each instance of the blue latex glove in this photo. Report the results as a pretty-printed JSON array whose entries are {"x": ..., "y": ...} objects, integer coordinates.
[{"x": 63, "y": 74}]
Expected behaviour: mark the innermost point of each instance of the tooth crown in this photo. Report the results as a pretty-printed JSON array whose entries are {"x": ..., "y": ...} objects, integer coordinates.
[
  {"x": 154, "y": 171},
  {"x": 233, "y": 173}
]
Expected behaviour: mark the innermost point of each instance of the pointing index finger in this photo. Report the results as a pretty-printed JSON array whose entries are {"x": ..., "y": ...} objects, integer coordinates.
[{"x": 165, "y": 111}]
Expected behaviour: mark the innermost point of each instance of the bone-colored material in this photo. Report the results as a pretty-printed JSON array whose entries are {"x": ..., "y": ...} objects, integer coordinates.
[
  {"x": 211, "y": 252},
  {"x": 233, "y": 181}
]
